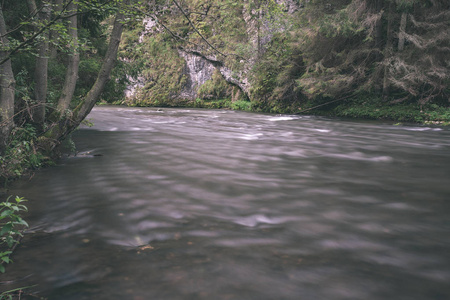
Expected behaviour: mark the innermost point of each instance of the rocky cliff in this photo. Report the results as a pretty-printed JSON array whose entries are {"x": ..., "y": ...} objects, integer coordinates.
[{"x": 256, "y": 25}]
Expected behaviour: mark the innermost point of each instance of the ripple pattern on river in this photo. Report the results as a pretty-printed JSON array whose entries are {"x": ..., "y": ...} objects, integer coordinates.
[{"x": 201, "y": 204}]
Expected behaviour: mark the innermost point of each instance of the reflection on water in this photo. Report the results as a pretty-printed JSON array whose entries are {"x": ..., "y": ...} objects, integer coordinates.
[{"x": 197, "y": 204}]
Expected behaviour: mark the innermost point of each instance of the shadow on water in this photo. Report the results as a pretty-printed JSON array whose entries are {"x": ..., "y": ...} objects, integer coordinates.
[{"x": 196, "y": 204}]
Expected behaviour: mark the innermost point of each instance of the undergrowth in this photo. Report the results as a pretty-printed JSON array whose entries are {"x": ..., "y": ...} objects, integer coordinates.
[
  {"x": 400, "y": 112},
  {"x": 12, "y": 226},
  {"x": 24, "y": 152}
]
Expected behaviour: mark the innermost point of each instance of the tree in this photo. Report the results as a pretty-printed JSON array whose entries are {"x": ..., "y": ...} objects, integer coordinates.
[
  {"x": 7, "y": 87},
  {"x": 72, "y": 66},
  {"x": 420, "y": 69},
  {"x": 41, "y": 69},
  {"x": 392, "y": 49},
  {"x": 61, "y": 129},
  {"x": 44, "y": 25}
]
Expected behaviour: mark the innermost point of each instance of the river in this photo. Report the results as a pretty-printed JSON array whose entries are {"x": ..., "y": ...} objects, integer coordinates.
[{"x": 219, "y": 204}]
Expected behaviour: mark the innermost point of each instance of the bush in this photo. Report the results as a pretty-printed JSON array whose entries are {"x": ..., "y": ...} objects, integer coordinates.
[
  {"x": 241, "y": 105},
  {"x": 215, "y": 88},
  {"x": 21, "y": 153}
]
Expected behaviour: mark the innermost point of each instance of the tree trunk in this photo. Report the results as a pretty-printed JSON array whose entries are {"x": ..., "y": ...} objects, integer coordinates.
[
  {"x": 7, "y": 88},
  {"x": 401, "y": 34},
  {"x": 72, "y": 68},
  {"x": 32, "y": 8},
  {"x": 379, "y": 4},
  {"x": 41, "y": 71},
  {"x": 58, "y": 6},
  {"x": 110, "y": 58},
  {"x": 388, "y": 51},
  {"x": 60, "y": 130}
]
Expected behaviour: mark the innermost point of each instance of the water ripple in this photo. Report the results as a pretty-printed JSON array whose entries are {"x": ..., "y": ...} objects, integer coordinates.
[{"x": 196, "y": 204}]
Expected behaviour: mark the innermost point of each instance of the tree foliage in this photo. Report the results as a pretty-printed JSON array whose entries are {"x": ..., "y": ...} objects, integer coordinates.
[
  {"x": 396, "y": 48},
  {"x": 44, "y": 47}
]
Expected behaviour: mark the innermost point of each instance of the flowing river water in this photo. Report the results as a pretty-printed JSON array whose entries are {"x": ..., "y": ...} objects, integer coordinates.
[{"x": 218, "y": 204}]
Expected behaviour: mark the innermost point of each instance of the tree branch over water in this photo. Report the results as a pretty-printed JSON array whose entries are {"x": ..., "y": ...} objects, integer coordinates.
[{"x": 195, "y": 28}]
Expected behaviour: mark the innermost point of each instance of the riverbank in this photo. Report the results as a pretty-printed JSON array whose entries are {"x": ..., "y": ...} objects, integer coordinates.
[
  {"x": 407, "y": 113},
  {"x": 364, "y": 109},
  {"x": 25, "y": 151}
]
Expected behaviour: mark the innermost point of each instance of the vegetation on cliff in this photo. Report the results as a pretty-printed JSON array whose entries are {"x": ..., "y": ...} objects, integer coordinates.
[{"x": 292, "y": 56}]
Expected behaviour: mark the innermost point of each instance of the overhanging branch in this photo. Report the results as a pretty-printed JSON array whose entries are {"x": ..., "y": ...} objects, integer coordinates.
[{"x": 195, "y": 28}]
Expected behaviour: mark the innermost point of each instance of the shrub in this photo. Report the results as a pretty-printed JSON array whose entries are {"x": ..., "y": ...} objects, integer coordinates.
[{"x": 21, "y": 153}]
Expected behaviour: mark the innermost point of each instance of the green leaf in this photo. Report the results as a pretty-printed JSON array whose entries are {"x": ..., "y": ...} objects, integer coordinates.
[
  {"x": 6, "y": 228},
  {"x": 23, "y": 222},
  {"x": 19, "y": 199},
  {"x": 6, "y": 204},
  {"x": 22, "y": 207},
  {"x": 10, "y": 241}
]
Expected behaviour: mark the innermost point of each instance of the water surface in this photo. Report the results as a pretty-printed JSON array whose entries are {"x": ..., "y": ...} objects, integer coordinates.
[{"x": 217, "y": 204}]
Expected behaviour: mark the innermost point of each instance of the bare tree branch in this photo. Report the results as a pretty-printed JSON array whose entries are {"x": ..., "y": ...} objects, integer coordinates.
[{"x": 195, "y": 28}]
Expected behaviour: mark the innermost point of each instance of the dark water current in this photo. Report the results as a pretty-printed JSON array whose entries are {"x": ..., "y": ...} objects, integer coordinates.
[{"x": 211, "y": 204}]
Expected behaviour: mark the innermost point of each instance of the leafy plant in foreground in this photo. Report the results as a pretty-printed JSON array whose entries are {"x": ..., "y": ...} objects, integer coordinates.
[{"x": 11, "y": 226}]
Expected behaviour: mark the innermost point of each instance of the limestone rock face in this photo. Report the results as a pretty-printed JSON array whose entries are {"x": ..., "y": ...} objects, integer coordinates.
[
  {"x": 135, "y": 84},
  {"x": 238, "y": 79},
  {"x": 149, "y": 25},
  {"x": 198, "y": 70}
]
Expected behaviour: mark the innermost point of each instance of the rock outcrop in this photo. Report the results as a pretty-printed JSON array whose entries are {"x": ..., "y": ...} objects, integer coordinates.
[
  {"x": 199, "y": 67},
  {"x": 198, "y": 70}
]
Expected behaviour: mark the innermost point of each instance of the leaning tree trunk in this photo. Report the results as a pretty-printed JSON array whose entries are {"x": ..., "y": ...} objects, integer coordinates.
[
  {"x": 64, "y": 126},
  {"x": 72, "y": 67},
  {"x": 103, "y": 76},
  {"x": 7, "y": 88}
]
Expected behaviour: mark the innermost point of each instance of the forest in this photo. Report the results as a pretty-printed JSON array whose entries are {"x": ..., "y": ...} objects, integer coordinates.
[{"x": 384, "y": 59}]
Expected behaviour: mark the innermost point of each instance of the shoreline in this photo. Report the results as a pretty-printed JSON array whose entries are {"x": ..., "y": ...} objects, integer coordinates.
[{"x": 430, "y": 114}]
